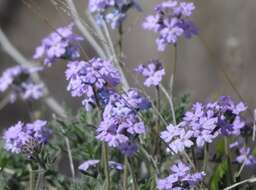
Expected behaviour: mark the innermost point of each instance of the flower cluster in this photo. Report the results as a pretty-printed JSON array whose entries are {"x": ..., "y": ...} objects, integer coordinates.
[
  {"x": 153, "y": 73},
  {"x": 26, "y": 138},
  {"x": 204, "y": 123},
  {"x": 92, "y": 163},
  {"x": 113, "y": 11},
  {"x": 171, "y": 22},
  {"x": 181, "y": 178},
  {"x": 245, "y": 157},
  {"x": 121, "y": 124},
  {"x": 93, "y": 80},
  {"x": 18, "y": 80},
  {"x": 59, "y": 44}
]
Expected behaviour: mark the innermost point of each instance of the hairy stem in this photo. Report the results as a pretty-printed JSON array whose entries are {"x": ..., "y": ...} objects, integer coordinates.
[
  {"x": 172, "y": 80},
  {"x": 31, "y": 178},
  {"x": 106, "y": 168},
  {"x": 134, "y": 180},
  {"x": 170, "y": 100},
  {"x": 125, "y": 176},
  {"x": 194, "y": 156},
  {"x": 120, "y": 43},
  {"x": 250, "y": 180},
  {"x": 105, "y": 151},
  {"x": 230, "y": 174},
  {"x": 84, "y": 30},
  {"x": 70, "y": 158},
  {"x": 205, "y": 157},
  {"x": 157, "y": 138},
  {"x": 39, "y": 179},
  {"x": 116, "y": 61}
]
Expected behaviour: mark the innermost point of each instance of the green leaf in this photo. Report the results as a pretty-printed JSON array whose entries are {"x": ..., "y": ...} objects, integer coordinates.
[
  {"x": 220, "y": 148},
  {"x": 254, "y": 152},
  {"x": 219, "y": 173}
]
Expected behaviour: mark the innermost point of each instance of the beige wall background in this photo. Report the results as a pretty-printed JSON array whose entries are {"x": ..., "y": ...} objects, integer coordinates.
[{"x": 226, "y": 41}]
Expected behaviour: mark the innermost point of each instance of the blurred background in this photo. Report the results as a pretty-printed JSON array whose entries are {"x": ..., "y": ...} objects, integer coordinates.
[{"x": 224, "y": 49}]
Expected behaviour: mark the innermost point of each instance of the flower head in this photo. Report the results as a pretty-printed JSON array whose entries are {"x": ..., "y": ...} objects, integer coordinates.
[
  {"x": 26, "y": 138},
  {"x": 18, "y": 80},
  {"x": 92, "y": 80},
  {"x": 112, "y": 11},
  {"x": 153, "y": 73},
  {"x": 204, "y": 123},
  {"x": 121, "y": 124},
  {"x": 245, "y": 157},
  {"x": 60, "y": 44},
  {"x": 180, "y": 178},
  {"x": 171, "y": 22}
]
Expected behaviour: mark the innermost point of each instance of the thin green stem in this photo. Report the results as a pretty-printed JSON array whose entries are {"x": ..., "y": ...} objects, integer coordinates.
[
  {"x": 116, "y": 61},
  {"x": 120, "y": 43},
  {"x": 157, "y": 139},
  {"x": 84, "y": 30},
  {"x": 31, "y": 178},
  {"x": 189, "y": 160},
  {"x": 106, "y": 168},
  {"x": 39, "y": 179},
  {"x": 125, "y": 176},
  {"x": 230, "y": 176},
  {"x": 105, "y": 151},
  {"x": 205, "y": 157},
  {"x": 240, "y": 170},
  {"x": 170, "y": 100},
  {"x": 194, "y": 156},
  {"x": 250, "y": 180},
  {"x": 134, "y": 180},
  {"x": 70, "y": 158},
  {"x": 175, "y": 58}
]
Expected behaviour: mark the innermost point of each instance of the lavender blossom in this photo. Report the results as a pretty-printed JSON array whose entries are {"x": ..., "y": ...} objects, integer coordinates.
[
  {"x": 92, "y": 80},
  {"x": 85, "y": 166},
  {"x": 204, "y": 123},
  {"x": 88, "y": 164},
  {"x": 180, "y": 178},
  {"x": 112, "y": 11},
  {"x": 153, "y": 73},
  {"x": 18, "y": 81},
  {"x": 120, "y": 122},
  {"x": 26, "y": 138},
  {"x": 177, "y": 138},
  {"x": 245, "y": 157},
  {"x": 171, "y": 22},
  {"x": 60, "y": 44}
]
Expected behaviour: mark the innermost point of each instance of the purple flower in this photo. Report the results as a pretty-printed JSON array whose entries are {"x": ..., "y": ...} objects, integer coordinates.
[
  {"x": 177, "y": 138},
  {"x": 60, "y": 44},
  {"x": 171, "y": 22},
  {"x": 115, "y": 165},
  {"x": 180, "y": 178},
  {"x": 134, "y": 100},
  {"x": 18, "y": 138},
  {"x": 204, "y": 123},
  {"x": 88, "y": 164},
  {"x": 112, "y": 11},
  {"x": 120, "y": 123},
  {"x": 92, "y": 80},
  {"x": 153, "y": 73},
  {"x": 18, "y": 80},
  {"x": 93, "y": 163},
  {"x": 245, "y": 157}
]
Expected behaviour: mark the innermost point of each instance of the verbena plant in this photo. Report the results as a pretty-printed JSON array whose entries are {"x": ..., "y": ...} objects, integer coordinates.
[{"x": 121, "y": 138}]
